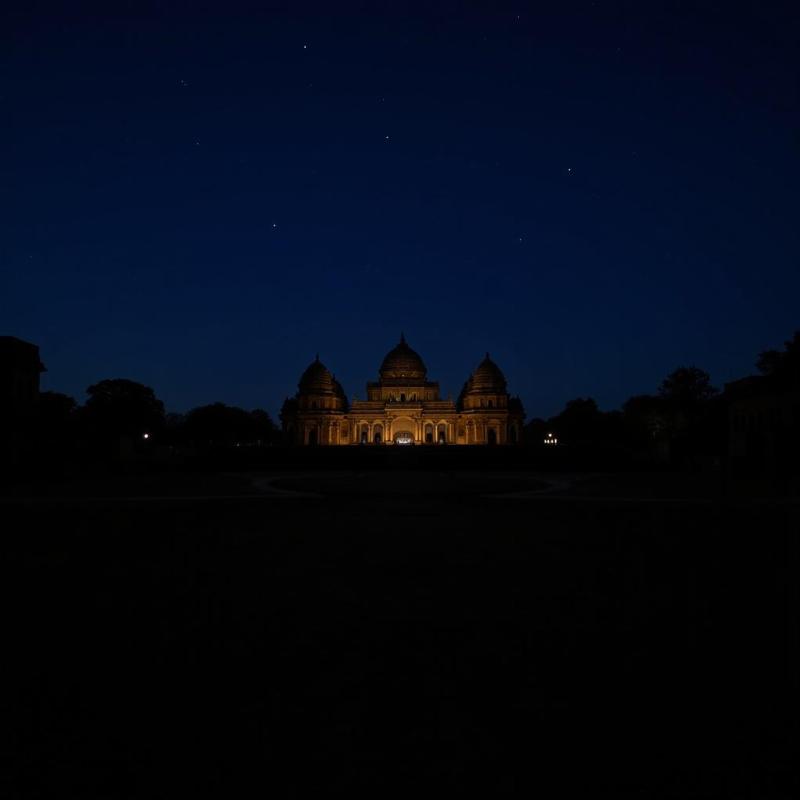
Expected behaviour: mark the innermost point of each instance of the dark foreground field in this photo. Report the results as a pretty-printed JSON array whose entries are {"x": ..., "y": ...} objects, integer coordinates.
[{"x": 396, "y": 634}]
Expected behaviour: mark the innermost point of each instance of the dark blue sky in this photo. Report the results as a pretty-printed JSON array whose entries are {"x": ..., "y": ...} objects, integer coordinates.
[{"x": 202, "y": 196}]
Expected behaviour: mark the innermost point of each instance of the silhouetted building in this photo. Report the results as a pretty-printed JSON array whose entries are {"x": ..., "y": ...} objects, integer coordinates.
[
  {"x": 403, "y": 407},
  {"x": 764, "y": 421},
  {"x": 20, "y": 368}
]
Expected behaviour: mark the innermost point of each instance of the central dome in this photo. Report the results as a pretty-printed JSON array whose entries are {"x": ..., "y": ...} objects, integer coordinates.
[{"x": 404, "y": 363}]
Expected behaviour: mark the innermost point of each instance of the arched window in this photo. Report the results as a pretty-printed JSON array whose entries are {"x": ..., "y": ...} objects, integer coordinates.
[
  {"x": 377, "y": 434},
  {"x": 429, "y": 434},
  {"x": 492, "y": 436},
  {"x": 441, "y": 433}
]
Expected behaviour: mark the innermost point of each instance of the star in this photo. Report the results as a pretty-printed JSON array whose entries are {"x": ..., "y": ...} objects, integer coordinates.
[
  {"x": 274, "y": 225},
  {"x": 386, "y": 138}
]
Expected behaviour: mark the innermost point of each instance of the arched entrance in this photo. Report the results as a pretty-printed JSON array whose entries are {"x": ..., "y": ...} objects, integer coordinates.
[
  {"x": 377, "y": 434},
  {"x": 312, "y": 436},
  {"x": 492, "y": 434},
  {"x": 404, "y": 427}
]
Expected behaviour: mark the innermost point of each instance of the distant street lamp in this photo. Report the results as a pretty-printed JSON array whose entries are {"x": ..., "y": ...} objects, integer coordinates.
[
  {"x": 146, "y": 436},
  {"x": 551, "y": 438}
]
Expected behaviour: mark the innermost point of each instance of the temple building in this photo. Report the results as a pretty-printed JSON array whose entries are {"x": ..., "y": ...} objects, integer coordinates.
[{"x": 403, "y": 407}]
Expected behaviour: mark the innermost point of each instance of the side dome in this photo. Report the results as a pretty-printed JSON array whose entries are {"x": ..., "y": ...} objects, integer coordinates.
[
  {"x": 337, "y": 387},
  {"x": 487, "y": 377},
  {"x": 317, "y": 379},
  {"x": 403, "y": 362}
]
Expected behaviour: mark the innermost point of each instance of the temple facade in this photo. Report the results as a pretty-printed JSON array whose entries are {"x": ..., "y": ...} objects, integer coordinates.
[{"x": 403, "y": 407}]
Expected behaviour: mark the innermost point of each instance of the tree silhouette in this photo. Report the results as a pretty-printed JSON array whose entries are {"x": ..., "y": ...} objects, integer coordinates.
[
  {"x": 687, "y": 386},
  {"x": 579, "y": 421},
  {"x": 121, "y": 407},
  {"x": 645, "y": 419},
  {"x": 769, "y": 361},
  {"x": 55, "y": 416},
  {"x": 264, "y": 428},
  {"x": 55, "y": 408},
  {"x": 222, "y": 425},
  {"x": 691, "y": 414},
  {"x": 783, "y": 364},
  {"x": 681, "y": 420},
  {"x": 535, "y": 430}
]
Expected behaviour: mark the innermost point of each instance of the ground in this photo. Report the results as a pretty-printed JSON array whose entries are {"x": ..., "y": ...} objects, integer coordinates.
[{"x": 395, "y": 632}]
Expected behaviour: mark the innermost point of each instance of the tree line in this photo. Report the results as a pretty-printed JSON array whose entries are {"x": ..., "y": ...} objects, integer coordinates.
[
  {"x": 686, "y": 412},
  {"x": 686, "y": 416},
  {"x": 118, "y": 409}
]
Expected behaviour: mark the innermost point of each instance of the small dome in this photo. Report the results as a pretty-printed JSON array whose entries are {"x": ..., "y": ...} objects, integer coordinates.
[
  {"x": 403, "y": 362},
  {"x": 317, "y": 379},
  {"x": 488, "y": 377},
  {"x": 337, "y": 387}
]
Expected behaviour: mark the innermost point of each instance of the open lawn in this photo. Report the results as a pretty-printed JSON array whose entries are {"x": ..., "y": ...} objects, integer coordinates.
[{"x": 384, "y": 633}]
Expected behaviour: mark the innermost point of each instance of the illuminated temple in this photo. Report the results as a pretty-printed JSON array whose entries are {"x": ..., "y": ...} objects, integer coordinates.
[{"x": 403, "y": 407}]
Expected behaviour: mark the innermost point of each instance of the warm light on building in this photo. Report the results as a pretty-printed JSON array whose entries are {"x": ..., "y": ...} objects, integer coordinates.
[
  {"x": 551, "y": 438},
  {"x": 403, "y": 407}
]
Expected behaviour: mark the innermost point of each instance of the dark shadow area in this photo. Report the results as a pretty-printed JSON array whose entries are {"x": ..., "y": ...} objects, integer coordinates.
[
  {"x": 606, "y": 609},
  {"x": 350, "y": 644}
]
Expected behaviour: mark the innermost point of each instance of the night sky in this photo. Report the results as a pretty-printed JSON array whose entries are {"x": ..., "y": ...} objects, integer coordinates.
[{"x": 202, "y": 196}]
